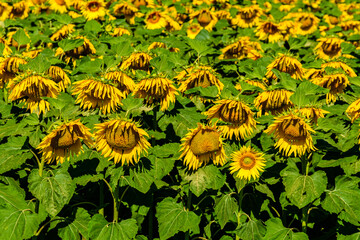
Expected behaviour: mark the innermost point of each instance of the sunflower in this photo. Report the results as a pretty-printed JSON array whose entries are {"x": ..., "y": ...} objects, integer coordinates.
[
  {"x": 223, "y": 14},
  {"x": 336, "y": 83},
  {"x": 5, "y": 11},
  {"x": 193, "y": 30},
  {"x": 288, "y": 29},
  {"x": 200, "y": 145},
  {"x": 202, "y": 76},
  {"x": 350, "y": 25},
  {"x": 145, "y": 3},
  {"x": 292, "y": 134},
  {"x": 332, "y": 21},
  {"x": 93, "y": 9},
  {"x": 30, "y": 88},
  {"x": 328, "y": 48},
  {"x": 9, "y": 67},
  {"x": 155, "y": 45},
  {"x": 121, "y": 140},
  {"x": 155, "y": 20},
  {"x": 353, "y": 111},
  {"x": 171, "y": 24},
  {"x": 31, "y": 54},
  {"x": 269, "y": 30},
  {"x": 63, "y": 32},
  {"x": 122, "y": 81},
  {"x": 313, "y": 113},
  {"x": 260, "y": 84},
  {"x": 126, "y": 9},
  {"x": 308, "y": 23},
  {"x": 285, "y": 64},
  {"x": 238, "y": 116},
  {"x": 205, "y": 18},
  {"x": 273, "y": 101},
  {"x": 20, "y": 10},
  {"x": 243, "y": 48},
  {"x": 340, "y": 65},
  {"x": 156, "y": 90},
  {"x": 58, "y": 6},
  {"x": 65, "y": 141},
  {"x": 247, "y": 163},
  {"x": 137, "y": 61},
  {"x": 247, "y": 17},
  {"x": 58, "y": 75},
  {"x": 118, "y": 32}
]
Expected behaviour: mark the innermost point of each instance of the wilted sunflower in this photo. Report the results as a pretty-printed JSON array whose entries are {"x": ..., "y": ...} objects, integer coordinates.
[
  {"x": 247, "y": 17},
  {"x": 269, "y": 30},
  {"x": 20, "y": 10},
  {"x": 32, "y": 53},
  {"x": 260, "y": 84},
  {"x": 350, "y": 25},
  {"x": 336, "y": 83},
  {"x": 93, "y": 9},
  {"x": 156, "y": 90},
  {"x": 288, "y": 29},
  {"x": 205, "y": 18},
  {"x": 7, "y": 50},
  {"x": 247, "y": 163},
  {"x": 65, "y": 141},
  {"x": 223, "y": 14},
  {"x": 95, "y": 93},
  {"x": 292, "y": 134},
  {"x": 200, "y": 145},
  {"x": 238, "y": 116},
  {"x": 243, "y": 48},
  {"x": 285, "y": 64},
  {"x": 328, "y": 48},
  {"x": 155, "y": 45},
  {"x": 137, "y": 61},
  {"x": 171, "y": 24},
  {"x": 5, "y": 10},
  {"x": 340, "y": 65},
  {"x": 118, "y": 32},
  {"x": 126, "y": 9},
  {"x": 29, "y": 88},
  {"x": 58, "y": 6},
  {"x": 193, "y": 30},
  {"x": 313, "y": 113},
  {"x": 202, "y": 76},
  {"x": 307, "y": 23},
  {"x": 63, "y": 32},
  {"x": 121, "y": 140},
  {"x": 145, "y": 3},
  {"x": 122, "y": 81},
  {"x": 332, "y": 21},
  {"x": 273, "y": 101},
  {"x": 9, "y": 67},
  {"x": 353, "y": 111},
  {"x": 58, "y": 75}
]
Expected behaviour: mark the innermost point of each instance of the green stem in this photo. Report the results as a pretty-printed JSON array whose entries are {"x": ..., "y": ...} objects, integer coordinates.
[
  {"x": 101, "y": 200},
  {"x": 116, "y": 204},
  {"x": 155, "y": 125},
  {"x": 151, "y": 216},
  {"x": 304, "y": 210},
  {"x": 43, "y": 226},
  {"x": 241, "y": 196},
  {"x": 188, "y": 207}
]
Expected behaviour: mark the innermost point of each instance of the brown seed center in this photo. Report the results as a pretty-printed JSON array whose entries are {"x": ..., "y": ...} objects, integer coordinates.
[
  {"x": 93, "y": 6},
  {"x": 121, "y": 138},
  {"x": 205, "y": 142},
  {"x": 247, "y": 162}
]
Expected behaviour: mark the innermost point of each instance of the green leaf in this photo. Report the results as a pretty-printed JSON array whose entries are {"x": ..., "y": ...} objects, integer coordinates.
[
  {"x": 54, "y": 189},
  {"x": 69, "y": 44},
  {"x": 275, "y": 231},
  {"x": 201, "y": 47},
  {"x": 133, "y": 106},
  {"x": 140, "y": 180},
  {"x": 174, "y": 218},
  {"x": 122, "y": 48},
  {"x": 92, "y": 26},
  {"x": 100, "y": 229},
  {"x": 355, "y": 236},
  {"x": 307, "y": 93},
  {"x": 17, "y": 220},
  {"x": 13, "y": 156},
  {"x": 207, "y": 92},
  {"x": 263, "y": 188},
  {"x": 297, "y": 43},
  {"x": 12, "y": 128},
  {"x": 86, "y": 65},
  {"x": 40, "y": 64},
  {"x": 225, "y": 209},
  {"x": 344, "y": 199},
  {"x": 251, "y": 230},
  {"x": 302, "y": 189},
  {"x": 208, "y": 177},
  {"x": 162, "y": 63},
  {"x": 77, "y": 228},
  {"x": 21, "y": 38}
]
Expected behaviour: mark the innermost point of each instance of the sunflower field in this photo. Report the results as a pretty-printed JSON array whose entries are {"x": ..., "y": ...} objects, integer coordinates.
[{"x": 179, "y": 119}]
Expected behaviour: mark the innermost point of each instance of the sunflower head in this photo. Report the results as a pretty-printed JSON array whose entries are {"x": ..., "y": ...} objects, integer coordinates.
[
  {"x": 292, "y": 134},
  {"x": 94, "y": 9},
  {"x": 58, "y": 75},
  {"x": 269, "y": 30},
  {"x": 247, "y": 17},
  {"x": 58, "y": 6},
  {"x": 20, "y": 10},
  {"x": 193, "y": 30},
  {"x": 121, "y": 140},
  {"x": 285, "y": 64},
  {"x": 121, "y": 81},
  {"x": 308, "y": 23},
  {"x": 137, "y": 61},
  {"x": 273, "y": 101},
  {"x": 205, "y": 18},
  {"x": 65, "y": 141},
  {"x": 313, "y": 113},
  {"x": 155, "y": 20},
  {"x": 63, "y": 32},
  {"x": 243, "y": 48},
  {"x": 328, "y": 48},
  {"x": 353, "y": 111},
  {"x": 247, "y": 163},
  {"x": 200, "y": 145},
  {"x": 335, "y": 82}
]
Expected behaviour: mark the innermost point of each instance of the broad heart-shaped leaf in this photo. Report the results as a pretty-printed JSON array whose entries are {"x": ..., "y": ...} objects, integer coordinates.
[
  {"x": 17, "y": 220},
  {"x": 344, "y": 199},
  {"x": 40, "y": 64},
  {"x": 275, "y": 231},
  {"x": 205, "y": 178},
  {"x": 140, "y": 180},
  {"x": 225, "y": 209},
  {"x": 100, "y": 229},
  {"x": 68, "y": 44},
  {"x": 12, "y": 156},
  {"x": 355, "y": 236},
  {"x": 173, "y": 218},
  {"x": 21, "y": 38},
  {"x": 53, "y": 190},
  {"x": 307, "y": 93},
  {"x": 77, "y": 228},
  {"x": 92, "y": 26},
  {"x": 302, "y": 189},
  {"x": 251, "y": 230}
]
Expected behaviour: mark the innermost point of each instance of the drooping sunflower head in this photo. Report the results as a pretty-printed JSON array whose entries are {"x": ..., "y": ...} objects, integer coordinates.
[
  {"x": 155, "y": 20},
  {"x": 94, "y": 9},
  {"x": 121, "y": 140},
  {"x": 193, "y": 30},
  {"x": 30, "y": 88},
  {"x": 20, "y": 10},
  {"x": 337, "y": 64},
  {"x": 353, "y": 111},
  {"x": 155, "y": 45},
  {"x": 308, "y": 23},
  {"x": 126, "y": 9},
  {"x": 312, "y": 113},
  {"x": 237, "y": 115},
  {"x": 122, "y": 81},
  {"x": 328, "y": 48},
  {"x": 9, "y": 66},
  {"x": 145, "y": 3},
  {"x": 269, "y": 30},
  {"x": 93, "y": 93},
  {"x": 247, "y": 17},
  {"x": 350, "y": 25},
  {"x": 58, "y": 75},
  {"x": 63, "y": 32},
  {"x": 58, "y": 6},
  {"x": 137, "y": 61},
  {"x": 201, "y": 145},
  {"x": 247, "y": 163},
  {"x": 286, "y": 64},
  {"x": 332, "y": 21},
  {"x": 273, "y": 101},
  {"x": 118, "y": 32},
  {"x": 205, "y": 18},
  {"x": 156, "y": 90},
  {"x": 335, "y": 82},
  {"x": 5, "y": 11},
  {"x": 243, "y": 48},
  {"x": 292, "y": 134},
  {"x": 65, "y": 141},
  {"x": 288, "y": 29}
]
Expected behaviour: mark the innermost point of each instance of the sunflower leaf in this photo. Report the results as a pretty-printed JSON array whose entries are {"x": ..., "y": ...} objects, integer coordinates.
[
  {"x": 77, "y": 228},
  {"x": 252, "y": 229},
  {"x": 307, "y": 93},
  {"x": 21, "y": 38},
  {"x": 275, "y": 230},
  {"x": 225, "y": 210},
  {"x": 92, "y": 27},
  {"x": 54, "y": 189},
  {"x": 68, "y": 44},
  {"x": 302, "y": 189},
  {"x": 174, "y": 218}
]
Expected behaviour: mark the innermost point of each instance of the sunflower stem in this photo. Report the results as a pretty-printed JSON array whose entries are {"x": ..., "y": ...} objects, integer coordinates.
[
  {"x": 116, "y": 204},
  {"x": 101, "y": 201},
  {"x": 151, "y": 215},
  {"x": 304, "y": 210},
  {"x": 188, "y": 207},
  {"x": 41, "y": 167}
]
